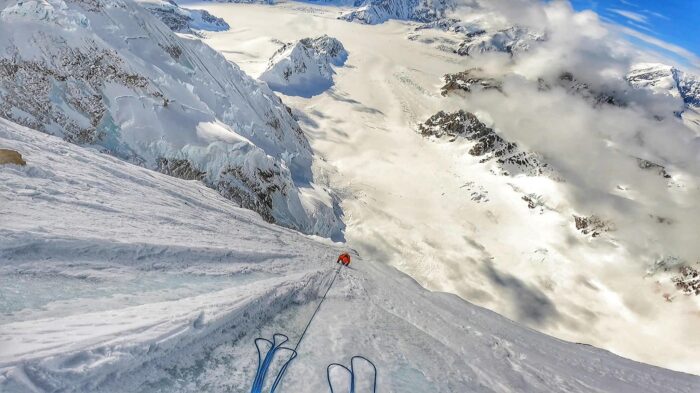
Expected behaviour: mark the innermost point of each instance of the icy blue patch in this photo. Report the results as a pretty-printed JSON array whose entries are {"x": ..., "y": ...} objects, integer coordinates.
[{"x": 111, "y": 139}]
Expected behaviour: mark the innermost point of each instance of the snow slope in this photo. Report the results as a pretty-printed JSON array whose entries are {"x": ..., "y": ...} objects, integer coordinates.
[
  {"x": 455, "y": 222},
  {"x": 142, "y": 282},
  {"x": 109, "y": 74}
]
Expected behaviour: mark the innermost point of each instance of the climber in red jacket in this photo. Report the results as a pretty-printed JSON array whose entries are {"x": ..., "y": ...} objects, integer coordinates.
[{"x": 344, "y": 258}]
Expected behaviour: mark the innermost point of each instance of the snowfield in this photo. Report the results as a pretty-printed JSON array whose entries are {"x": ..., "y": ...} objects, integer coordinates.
[{"x": 142, "y": 282}]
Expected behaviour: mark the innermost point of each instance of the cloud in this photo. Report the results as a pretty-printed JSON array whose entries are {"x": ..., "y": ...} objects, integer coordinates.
[
  {"x": 688, "y": 56},
  {"x": 639, "y": 18},
  {"x": 656, "y": 14},
  {"x": 595, "y": 149}
]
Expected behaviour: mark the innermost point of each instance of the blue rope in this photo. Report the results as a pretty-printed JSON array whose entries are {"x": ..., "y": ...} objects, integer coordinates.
[
  {"x": 264, "y": 364},
  {"x": 351, "y": 371}
]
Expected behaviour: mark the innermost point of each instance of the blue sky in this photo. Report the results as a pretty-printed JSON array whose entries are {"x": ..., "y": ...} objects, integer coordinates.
[{"x": 669, "y": 26}]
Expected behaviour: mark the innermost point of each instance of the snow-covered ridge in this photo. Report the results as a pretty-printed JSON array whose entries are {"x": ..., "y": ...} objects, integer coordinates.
[
  {"x": 173, "y": 301},
  {"x": 184, "y": 20},
  {"x": 304, "y": 68},
  {"x": 110, "y": 75},
  {"x": 682, "y": 87},
  {"x": 665, "y": 79},
  {"x": 379, "y": 11}
]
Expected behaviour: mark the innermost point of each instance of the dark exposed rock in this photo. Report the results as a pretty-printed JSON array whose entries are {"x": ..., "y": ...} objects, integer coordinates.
[
  {"x": 173, "y": 50},
  {"x": 249, "y": 192},
  {"x": 648, "y": 165},
  {"x": 468, "y": 80},
  {"x": 530, "y": 203},
  {"x": 180, "y": 168},
  {"x": 487, "y": 143},
  {"x": 688, "y": 280},
  {"x": 592, "y": 225}
]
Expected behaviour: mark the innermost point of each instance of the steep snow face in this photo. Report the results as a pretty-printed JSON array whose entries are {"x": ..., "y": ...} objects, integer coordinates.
[
  {"x": 670, "y": 81},
  {"x": 142, "y": 282},
  {"x": 183, "y": 20},
  {"x": 378, "y": 11},
  {"x": 304, "y": 68},
  {"x": 108, "y": 74}
]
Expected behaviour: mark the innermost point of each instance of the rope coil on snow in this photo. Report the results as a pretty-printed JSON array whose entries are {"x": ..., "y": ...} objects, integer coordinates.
[
  {"x": 351, "y": 371},
  {"x": 264, "y": 365}
]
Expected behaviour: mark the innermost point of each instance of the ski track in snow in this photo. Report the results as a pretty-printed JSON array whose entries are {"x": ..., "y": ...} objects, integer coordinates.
[{"x": 74, "y": 216}]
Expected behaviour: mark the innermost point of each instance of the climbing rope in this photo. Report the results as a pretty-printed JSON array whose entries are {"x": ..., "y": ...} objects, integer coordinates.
[
  {"x": 351, "y": 371},
  {"x": 264, "y": 365},
  {"x": 276, "y": 346}
]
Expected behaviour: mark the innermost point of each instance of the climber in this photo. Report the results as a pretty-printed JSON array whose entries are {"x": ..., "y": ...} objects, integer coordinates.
[{"x": 344, "y": 258}]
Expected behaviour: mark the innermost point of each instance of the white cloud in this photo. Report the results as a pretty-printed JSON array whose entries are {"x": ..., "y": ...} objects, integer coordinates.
[
  {"x": 656, "y": 14},
  {"x": 691, "y": 58},
  {"x": 639, "y": 18},
  {"x": 594, "y": 148}
]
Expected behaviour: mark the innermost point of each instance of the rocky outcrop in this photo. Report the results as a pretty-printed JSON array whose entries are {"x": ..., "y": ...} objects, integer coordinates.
[
  {"x": 305, "y": 68},
  {"x": 469, "y": 80},
  {"x": 180, "y": 168},
  {"x": 688, "y": 280},
  {"x": 650, "y": 166},
  {"x": 488, "y": 145},
  {"x": 592, "y": 225}
]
